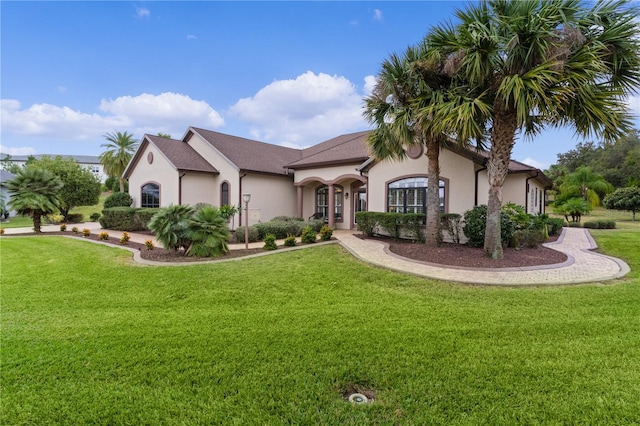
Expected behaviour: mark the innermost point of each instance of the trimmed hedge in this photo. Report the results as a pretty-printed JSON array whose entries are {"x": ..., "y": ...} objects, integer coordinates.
[
  {"x": 600, "y": 224},
  {"x": 397, "y": 225},
  {"x": 253, "y": 234},
  {"x": 126, "y": 218}
]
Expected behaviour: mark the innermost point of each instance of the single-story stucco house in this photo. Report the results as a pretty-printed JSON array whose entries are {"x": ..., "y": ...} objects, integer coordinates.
[{"x": 338, "y": 175}]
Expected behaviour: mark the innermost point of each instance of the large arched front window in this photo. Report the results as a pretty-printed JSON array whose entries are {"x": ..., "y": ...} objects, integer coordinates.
[
  {"x": 150, "y": 195},
  {"x": 409, "y": 195},
  {"x": 322, "y": 201}
]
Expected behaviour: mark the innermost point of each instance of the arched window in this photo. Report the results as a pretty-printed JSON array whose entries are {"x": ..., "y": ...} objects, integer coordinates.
[
  {"x": 322, "y": 201},
  {"x": 409, "y": 195},
  {"x": 150, "y": 195},
  {"x": 224, "y": 194}
]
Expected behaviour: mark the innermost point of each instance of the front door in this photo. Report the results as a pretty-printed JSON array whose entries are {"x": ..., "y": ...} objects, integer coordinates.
[{"x": 359, "y": 203}]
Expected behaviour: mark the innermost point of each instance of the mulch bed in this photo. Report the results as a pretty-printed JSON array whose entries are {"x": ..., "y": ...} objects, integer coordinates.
[{"x": 461, "y": 255}]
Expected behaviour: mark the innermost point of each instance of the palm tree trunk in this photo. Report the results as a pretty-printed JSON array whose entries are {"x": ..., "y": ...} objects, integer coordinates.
[
  {"x": 502, "y": 140},
  {"x": 433, "y": 233},
  {"x": 37, "y": 221},
  {"x": 121, "y": 182}
]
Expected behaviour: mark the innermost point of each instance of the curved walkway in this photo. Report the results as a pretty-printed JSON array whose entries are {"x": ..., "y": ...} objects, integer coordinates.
[{"x": 583, "y": 265}]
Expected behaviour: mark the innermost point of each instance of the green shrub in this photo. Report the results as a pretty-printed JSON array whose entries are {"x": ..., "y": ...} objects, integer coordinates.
[
  {"x": 253, "y": 234},
  {"x": 54, "y": 219},
  {"x": 75, "y": 218},
  {"x": 290, "y": 241},
  {"x": 367, "y": 223},
  {"x": 118, "y": 199},
  {"x": 600, "y": 224},
  {"x": 391, "y": 223},
  {"x": 270, "y": 242},
  {"x": 94, "y": 217},
  {"x": 63, "y": 227},
  {"x": 411, "y": 224},
  {"x": 119, "y": 218},
  {"x": 287, "y": 219},
  {"x": 143, "y": 216},
  {"x": 555, "y": 225},
  {"x": 573, "y": 225},
  {"x": 104, "y": 235},
  {"x": 280, "y": 229},
  {"x": 110, "y": 183},
  {"x": 518, "y": 215},
  {"x": 475, "y": 221},
  {"x": 315, "y": 224},
  {"x": 308, "y": 235},
  {"x": 451, "y": 222},
  {"x": 326, "y": 232},
  {"x": 531, "y": 238}
]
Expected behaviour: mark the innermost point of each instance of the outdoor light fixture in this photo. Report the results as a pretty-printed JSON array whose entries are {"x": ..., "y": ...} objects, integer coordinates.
[
  {"x": 246, "y": 198},
  {"x": 346, "y": 195}
]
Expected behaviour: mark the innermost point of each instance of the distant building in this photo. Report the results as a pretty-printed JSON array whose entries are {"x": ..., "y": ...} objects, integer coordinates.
[{"x": 89, "y": 162}]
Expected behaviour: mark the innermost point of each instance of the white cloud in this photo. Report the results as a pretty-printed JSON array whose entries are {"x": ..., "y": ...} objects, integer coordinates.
[
  {"x": 23, "y": 150},
  {"x": 377, "y": 14},
  {"x": 369, "y": 83},
  {"x": 634, "y": 105},
  {"x": 143, "y": 12},
  {"x": 534, "y": 163},
  {"x": 191, "y": 37},
  {"x": 167, "y": 113},
  {"x": 304, "y": 111},
  {"x": 62, "y": 89}
]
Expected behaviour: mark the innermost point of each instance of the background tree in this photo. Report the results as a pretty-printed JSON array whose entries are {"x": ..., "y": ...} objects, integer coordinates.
[
  {"x": 573, "y": 207},
  {"x": 81, "y": 187},
  {"x": 34, "y": 192},
  {"x": 120, "y": 149},
  {"x": 6, "y": 163},
  {"x": 537, "y": 63},
  {"x": 627, "y": 199},
  {"x": 164, "y": 135},
  {"x": 586, "y": 184}
]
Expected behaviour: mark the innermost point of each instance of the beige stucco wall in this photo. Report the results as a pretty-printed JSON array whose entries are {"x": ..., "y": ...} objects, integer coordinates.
[
  {"x": 160, "y": 172},
  {"x": 514, "y": 191},
  {"x": 457, "y": 171},
  {"x": 270, "y": 196},
  {"x": 200, "y": 188},
  {"x": 326, "y": 174}
]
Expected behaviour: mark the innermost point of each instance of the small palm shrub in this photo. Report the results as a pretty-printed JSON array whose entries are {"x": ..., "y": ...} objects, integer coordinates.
[
  {"x": 74, "y": 229},
  {"x": 208, "y": 232},
  {"x": 86, "y": 232},
  {"x": 63, "y": 227},
  {"x": 326, "y": 233},
  {"x": 170, "y": 226},
  {"x": 149, "y": 244},
  {"x": 309, "y": 235},
  {"x": 270, "y": 242},
  {"x": 124, "y": 239},
  {"x": 290, "y": 241},
  {"x": 103, "y": 236}
]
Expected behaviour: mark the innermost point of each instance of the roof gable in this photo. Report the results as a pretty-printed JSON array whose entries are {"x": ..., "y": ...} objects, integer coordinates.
[
  {"x": 179, "y": 154},
  {"x": 247, "y": 154},
  {"x": 349, "y": 148}
]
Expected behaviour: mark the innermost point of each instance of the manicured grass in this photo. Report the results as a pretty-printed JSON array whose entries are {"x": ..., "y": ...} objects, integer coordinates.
[
  {"x": 90, "y": 338},
  {"x": 18, "y": 222},
  {"x": 87, "y": 211}
]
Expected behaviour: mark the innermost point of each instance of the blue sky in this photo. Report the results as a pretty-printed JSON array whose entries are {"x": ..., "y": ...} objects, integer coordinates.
[{"x": 287, "y": 73}]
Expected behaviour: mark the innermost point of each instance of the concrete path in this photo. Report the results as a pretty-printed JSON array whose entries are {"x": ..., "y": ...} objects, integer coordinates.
[{"x": 583, "y": 265}]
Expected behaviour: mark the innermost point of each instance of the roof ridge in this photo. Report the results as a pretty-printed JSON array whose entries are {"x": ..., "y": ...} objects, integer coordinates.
[{"x": 354, "y": 135}]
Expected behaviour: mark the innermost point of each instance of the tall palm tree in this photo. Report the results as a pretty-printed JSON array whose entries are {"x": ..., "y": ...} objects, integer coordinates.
[
  {"x": 120, "y": 149},
  {"x": 34, "y": 192},
  {"x": 523, "y": 65},
  {"x": 401, "y": 109}
]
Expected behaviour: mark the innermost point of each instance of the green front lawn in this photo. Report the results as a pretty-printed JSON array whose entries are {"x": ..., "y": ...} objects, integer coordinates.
[{"x": 90, "y": 338}]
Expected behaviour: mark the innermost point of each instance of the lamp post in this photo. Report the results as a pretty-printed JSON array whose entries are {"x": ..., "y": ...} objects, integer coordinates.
[{"x": 246, "y": 198}]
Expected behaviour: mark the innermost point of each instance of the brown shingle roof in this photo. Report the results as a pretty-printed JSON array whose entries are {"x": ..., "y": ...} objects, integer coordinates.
[
  {"x": 349, "y": 148},
  {"x": 179, "y": 154},
  {"x": 250, "y": 155}
]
